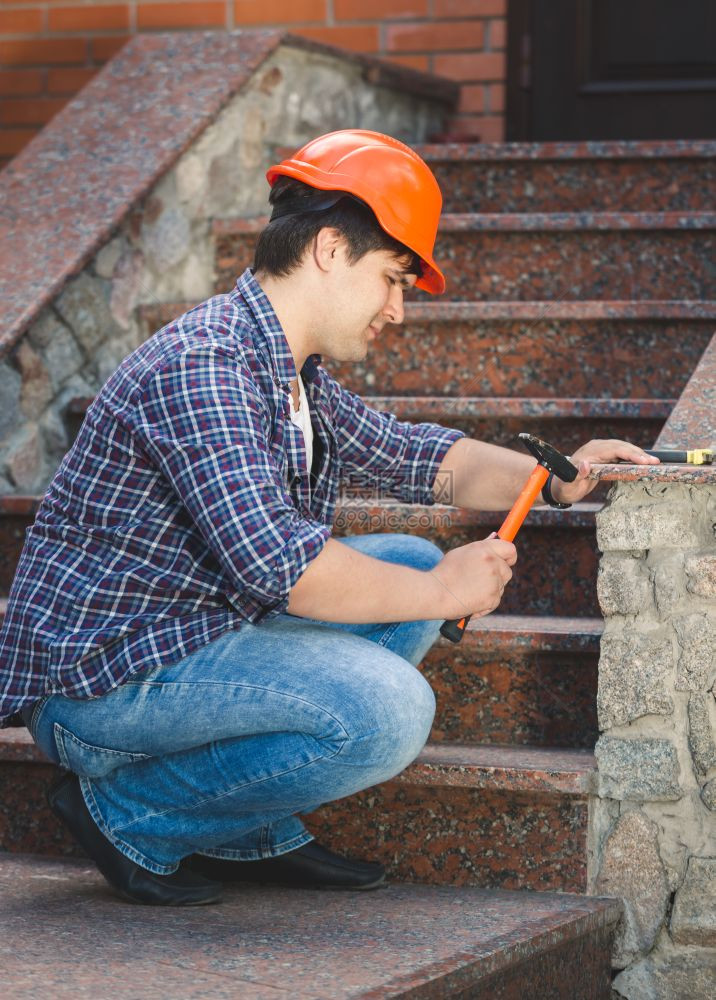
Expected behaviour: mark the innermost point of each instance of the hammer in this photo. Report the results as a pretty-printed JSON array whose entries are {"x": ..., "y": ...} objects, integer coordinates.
[{"x": 549, "y": 460}]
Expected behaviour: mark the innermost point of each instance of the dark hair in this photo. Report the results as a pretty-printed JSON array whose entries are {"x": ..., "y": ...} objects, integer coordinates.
[{"x": 300, "y": 211}]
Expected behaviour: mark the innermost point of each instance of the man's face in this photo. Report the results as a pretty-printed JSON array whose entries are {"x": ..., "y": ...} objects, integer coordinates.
[{"x": 364, "y": 297}]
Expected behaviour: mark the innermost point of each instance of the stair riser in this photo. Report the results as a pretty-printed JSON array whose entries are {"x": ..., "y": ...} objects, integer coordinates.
[
  {"x": 658, "y": 185},
  {"x": 459, "y": 836},
  {"x": 546, "y": 265},
  {"x": 568, "y": 358},
  {"x": 535, "y": 698},
  {"x": 555, "y": 573},
  {"x": 27, "y": 823}
]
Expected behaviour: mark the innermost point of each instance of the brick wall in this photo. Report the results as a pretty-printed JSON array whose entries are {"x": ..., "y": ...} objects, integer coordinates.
[{"x": 49, "y": 50}]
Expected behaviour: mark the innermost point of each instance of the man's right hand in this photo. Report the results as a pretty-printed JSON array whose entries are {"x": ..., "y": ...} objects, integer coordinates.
[{"x": 474, "y": 577}]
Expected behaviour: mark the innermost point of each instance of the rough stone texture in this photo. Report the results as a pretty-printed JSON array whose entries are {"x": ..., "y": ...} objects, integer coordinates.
[
  {"x": 696, "y": 636},
  {"x": 693, "y": 919},
  {"x": 84, "y": 306},
  {"x": 708, "y": 795},
  {"x": 638, "y": 769},
  {"x": 686, "y": 977},
  {"x": 645, "y": 526},
  {"x": 702, "y": 712},
  {"x": 24, "y": 457},
  {"x": 701, "y": 573},
  {"x": 669, "y": 582},
  {"x": 36, "y": 389},
  {"x": 632, "y": 869},
  {"x": 633, "y": 670},
  {"x": 10, "y": 386},
  {"x": 623, "y": 586}
]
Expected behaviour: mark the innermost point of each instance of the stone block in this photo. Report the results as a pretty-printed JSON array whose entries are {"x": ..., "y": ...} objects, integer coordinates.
[
  {"x": 167, "y": 239},
  {"x": 10, "y": 388},
  {"x": 701, "y": 573},
  {"x": 676, "y": 977},
  {"x": 708, "y": 795},
  {"x": 639, "y": 769},
  {"x": 24, "y": 458},
  {"x": 701, "y": 731},
  {"x": 84, "y": 306},
  {"x": 127, "y": 287},
  {"x": 36, "y": 391},
  {"x": 108, "y": 256},
  {"x": 632, "y": 870},
  {"x": 696, "y": 636},
  {"x": 693, "y": 919},
  {"x": 63, "y": 356},
  {"x": 669, "y": 583},
  {"x": 623, "y": 586},
  {"x": 646, "y": 526},
  {"x": 632, "y": 673}
]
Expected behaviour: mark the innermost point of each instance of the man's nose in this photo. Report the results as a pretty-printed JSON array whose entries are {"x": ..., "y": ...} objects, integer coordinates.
[{"x": 394, "y": 311}]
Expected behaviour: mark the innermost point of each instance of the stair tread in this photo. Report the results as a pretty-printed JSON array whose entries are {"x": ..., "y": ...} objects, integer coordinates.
[
  {"x": 540, "y": 625},
  {"x": 526, "y": 221},
  {"x": 525, "y": 406},
  {"x": 258, "y": 944},
  {"x": 608, "y": 150}
]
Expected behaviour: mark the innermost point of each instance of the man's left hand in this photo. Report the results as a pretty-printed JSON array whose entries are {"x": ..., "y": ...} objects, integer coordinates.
[{"x": 597, "y": 453}]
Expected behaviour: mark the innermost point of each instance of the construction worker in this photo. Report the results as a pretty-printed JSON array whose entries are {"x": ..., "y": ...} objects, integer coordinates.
[{"x": 183, "y": 634}]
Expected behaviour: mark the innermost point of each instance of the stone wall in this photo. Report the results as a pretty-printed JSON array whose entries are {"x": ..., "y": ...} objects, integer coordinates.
[
  {"x": 164, "y": 251},
  {"x": 654, "y": 820}
]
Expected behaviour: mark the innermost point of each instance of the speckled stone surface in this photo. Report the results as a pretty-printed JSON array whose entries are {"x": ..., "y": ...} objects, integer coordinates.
[
  {"x": 124, "y": 130},
  {"x": 541, "y": 256},
  {"x": 64, "y": 936},
  {"x": 693, "y": 419},
  {"x": 559, "y": 348},
  {"x": 559, "y": 177}
]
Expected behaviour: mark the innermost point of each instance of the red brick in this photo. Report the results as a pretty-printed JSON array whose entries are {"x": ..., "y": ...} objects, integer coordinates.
[
  {"x": 378, "y": 10},
  {"x": 20, "y": 81},
  {"x": 104, "y": 48},
  {"x": 498, "y": 34},
  {"x": 20, "y": 22},
  {"x": 414, "y": 62},
  {"x": 92, "y": 18},
  {"x": 30, "y": 111},
  {"x": 472, "y": 99},
  {"x": 12, "y": 140},
  {"x": 490, "y": 128},
  {"x": 278, "y": 11},
  {"x": 43, "y": 52},
  {"x": 359, "y": 38},
  {"x": 469, "y": 8},
  {"x": 497, "y": 97},
  {"x": 473, "y": 66},
  {"x": 181, "y": 15},
  {"x": 435, "y": 37},
  {"x": 69, "y": 81}
]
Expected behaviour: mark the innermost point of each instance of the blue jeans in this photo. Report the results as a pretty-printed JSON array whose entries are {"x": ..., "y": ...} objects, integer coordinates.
[{"x": 218, "y": 753}]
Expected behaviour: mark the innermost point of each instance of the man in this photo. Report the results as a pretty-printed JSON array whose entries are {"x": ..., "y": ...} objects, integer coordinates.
[{"x": 183, "y": 634}]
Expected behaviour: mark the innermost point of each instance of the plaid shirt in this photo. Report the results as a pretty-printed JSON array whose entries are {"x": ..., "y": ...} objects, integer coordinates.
[{"x": 183, "y": 508}]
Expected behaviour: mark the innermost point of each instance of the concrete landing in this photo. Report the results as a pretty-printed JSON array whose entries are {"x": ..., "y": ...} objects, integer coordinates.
[{"x": 62, "y": 934}]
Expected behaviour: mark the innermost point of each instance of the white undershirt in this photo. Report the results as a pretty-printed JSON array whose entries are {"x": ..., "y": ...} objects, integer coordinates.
[{"x": 302, "y": 418}]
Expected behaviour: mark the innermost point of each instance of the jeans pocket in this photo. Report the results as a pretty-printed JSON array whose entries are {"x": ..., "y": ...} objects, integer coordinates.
[{"x": 87, "y": 760}]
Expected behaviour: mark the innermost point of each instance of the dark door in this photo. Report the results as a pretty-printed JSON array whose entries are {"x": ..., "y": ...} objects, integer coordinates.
[{"x": 611, "y": 69}]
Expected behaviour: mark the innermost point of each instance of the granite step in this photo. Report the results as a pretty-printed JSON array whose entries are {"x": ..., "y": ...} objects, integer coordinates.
[
  {"x": 422, "y": 942},
  {"x": 566, "y": 422},
  {"x": 621, "y": 349},
  {"x": 458, "y": 815},
  {"x": 518, "y": 679},
  {"x": 544, "y": 581},
  {"x": 575, "y": 176},
  {"x": 543, "y": 256}
]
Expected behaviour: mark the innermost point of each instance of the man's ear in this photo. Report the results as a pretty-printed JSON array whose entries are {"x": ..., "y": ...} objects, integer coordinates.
[{"x": 328, "y": 247}]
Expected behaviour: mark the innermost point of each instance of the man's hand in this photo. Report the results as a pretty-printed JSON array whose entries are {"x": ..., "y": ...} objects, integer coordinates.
[
  {"x": 473, "y": 577},
  {"x": 597, "y": 453}
]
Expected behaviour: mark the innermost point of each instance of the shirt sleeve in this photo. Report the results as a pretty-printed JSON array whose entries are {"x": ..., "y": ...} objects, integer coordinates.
[
  {"x": 205, "y": 424},
  {"x": 396, "y": 457}
]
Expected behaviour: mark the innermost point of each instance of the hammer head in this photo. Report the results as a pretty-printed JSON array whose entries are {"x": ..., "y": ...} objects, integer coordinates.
[{"x": 550, "y": 458}]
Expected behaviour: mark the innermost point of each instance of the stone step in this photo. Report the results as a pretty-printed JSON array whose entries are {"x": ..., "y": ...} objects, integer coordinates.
[
  {"x": 557, "y": 562},
  {"x": 459, "y": 815},
  {"x": 473, "y": 815},
  {"x": 575, "y": 176},
  {"x": 567, "y": 422},
  {"x": 555, "y": 573},
  {"x": 518, "y": 679},
  {"x": 421, "y": 941},
  {"x": 542, "y": 256}
]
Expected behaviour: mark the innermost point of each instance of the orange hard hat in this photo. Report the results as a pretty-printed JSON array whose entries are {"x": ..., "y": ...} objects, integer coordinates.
[{"x": 388, "y": 176}]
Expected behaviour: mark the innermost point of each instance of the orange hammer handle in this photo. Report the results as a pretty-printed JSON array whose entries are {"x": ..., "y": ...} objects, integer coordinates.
[{"x": 521, "y": 507}]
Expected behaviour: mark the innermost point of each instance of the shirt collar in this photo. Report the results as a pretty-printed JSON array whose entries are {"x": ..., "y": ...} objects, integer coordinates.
[{"x": 271, "y": 332}]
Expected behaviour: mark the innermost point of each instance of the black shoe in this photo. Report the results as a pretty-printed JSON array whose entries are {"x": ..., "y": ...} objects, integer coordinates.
[
  {"x": 310, "y": 867},
  {"x": 130, "y": 880}
]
